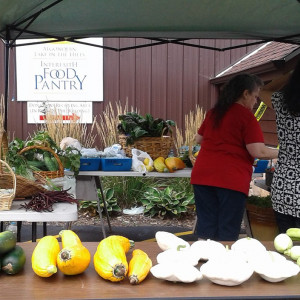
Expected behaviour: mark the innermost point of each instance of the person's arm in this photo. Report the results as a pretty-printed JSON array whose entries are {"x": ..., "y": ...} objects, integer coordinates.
[
  {"x": 261, "y": 151},
  {"x": 198, "y": 138}
]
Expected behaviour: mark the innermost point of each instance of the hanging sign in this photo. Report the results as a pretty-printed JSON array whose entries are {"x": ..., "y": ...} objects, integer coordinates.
[
  {"x": 59, "y": 112},
  {"x": 61, "y": 71}
]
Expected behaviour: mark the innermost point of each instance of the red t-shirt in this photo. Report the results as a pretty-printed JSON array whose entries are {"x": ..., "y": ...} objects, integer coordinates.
[{"x": 223, "y": 160}]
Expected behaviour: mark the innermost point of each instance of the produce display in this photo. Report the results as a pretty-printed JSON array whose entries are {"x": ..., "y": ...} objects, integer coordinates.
[
  {"x": 139, "y": 266},
  {"x": 74, "y": 258},
  {"x": 44, "y": 256},
  {"x": 12, "y": 256},
  {"x": 178, "y": 261},
  {"x": 110, "y": 258}
]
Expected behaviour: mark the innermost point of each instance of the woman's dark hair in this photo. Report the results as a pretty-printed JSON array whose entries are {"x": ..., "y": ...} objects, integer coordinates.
[
  {"x": 232, "y": 91},
  {"x": 291, "y": 91}
]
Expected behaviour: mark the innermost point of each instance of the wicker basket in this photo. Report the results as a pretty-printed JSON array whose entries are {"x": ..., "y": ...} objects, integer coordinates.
[
  {"x": 154, "y": 146},
  {"x": 7, "y": 195},
  {"x": 46, "y": 174},
  {"x": 25, "y": 187}
]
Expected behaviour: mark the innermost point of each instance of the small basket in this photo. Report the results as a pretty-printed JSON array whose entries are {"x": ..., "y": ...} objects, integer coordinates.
[
  {"x": 7, "y": 195},
  {"x": 154, "y": 146},
  {"x": 46, "y": 174}
]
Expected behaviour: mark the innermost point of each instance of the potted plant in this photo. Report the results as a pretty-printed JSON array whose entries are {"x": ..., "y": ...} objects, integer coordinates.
[
  {"x": 261, "y": 217},
  {"x": 145, "y": 133}
]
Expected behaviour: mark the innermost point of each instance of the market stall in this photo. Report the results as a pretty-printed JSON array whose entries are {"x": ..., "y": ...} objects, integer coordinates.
[{"x": 27, "y": 285}]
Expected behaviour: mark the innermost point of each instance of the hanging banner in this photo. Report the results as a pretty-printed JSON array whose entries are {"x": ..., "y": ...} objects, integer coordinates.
[
  {"x": 60, "y": 71},
  {"x": 59, "y": 112}
]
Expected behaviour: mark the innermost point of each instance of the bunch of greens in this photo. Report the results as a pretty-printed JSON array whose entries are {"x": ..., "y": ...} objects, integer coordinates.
[
  {"x": 70, "y": 158},
  {"x": 136, "y": 126}
]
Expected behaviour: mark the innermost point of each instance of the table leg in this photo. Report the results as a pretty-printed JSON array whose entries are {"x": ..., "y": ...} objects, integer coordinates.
[
  {"x": 247, "y": 224},
  {"x": 19, "y": 226},
  {"x": 99, "y": 186},
  {"x": 33, "y": 233},
  {"x": 44, "y": 228}
]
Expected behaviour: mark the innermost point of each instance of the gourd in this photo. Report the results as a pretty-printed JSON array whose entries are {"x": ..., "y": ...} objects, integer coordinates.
[
  {"x": 167, "y": 240},
  {"x": 228, "y": 269},
  {"x": 74, "y": 258},
  {"x": 294, "y": 233},
  {"x": 159, "y": 165},
  {"x": 248, "y": 247},
  {"x": 174, "y": 163},
  {"x": 44, "y": 256},
  {"x": 188, "y": 256},
  {"x": 283, "y": 242},
  {"x": 139, "y": 266},
  {"x": 13, "y": 261},
  {"x": 8, "y": 241},
  {"x": 176, "y": 272},
  {"x": 207, "y": 249},
  {"x": 110, "y": 258},
  {"x": 274, "y": 267}
]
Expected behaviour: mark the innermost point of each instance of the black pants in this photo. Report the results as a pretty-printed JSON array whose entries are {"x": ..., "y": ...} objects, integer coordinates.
[
  {"x": 219, "y": 212},
  {"x": 285, "y": 222}
]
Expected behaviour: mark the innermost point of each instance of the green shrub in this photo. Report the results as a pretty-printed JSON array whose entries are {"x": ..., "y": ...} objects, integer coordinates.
[{"x": 166, "y": 202}]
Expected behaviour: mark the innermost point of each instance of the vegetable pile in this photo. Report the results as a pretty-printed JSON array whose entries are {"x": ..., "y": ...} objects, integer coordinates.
[{"x": 43, "y": 201}]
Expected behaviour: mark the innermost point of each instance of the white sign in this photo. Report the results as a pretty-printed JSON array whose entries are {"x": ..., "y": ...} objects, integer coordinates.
[
  {"x": 61, "y": 71},
  {"x": 66, "y": 112}
]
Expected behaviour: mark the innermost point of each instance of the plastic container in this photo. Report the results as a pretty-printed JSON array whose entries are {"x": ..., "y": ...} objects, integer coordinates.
[
  {"x": 116, "y": 164},
  {"x": 90, "y": 164},
  {"x": 12, "y": 227},
  {"x": 261, "y": 166}
]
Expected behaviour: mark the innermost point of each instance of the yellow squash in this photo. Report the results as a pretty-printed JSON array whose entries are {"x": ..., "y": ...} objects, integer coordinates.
[
  {"x": 159, "y": 165},
  {"x": 174, "y": 163},
  {"x": 44, "y": 256},
  {"x": 110, "y": 258},
  {"x": 74, "y": 258},
  {"x": 139, "y": 266}
]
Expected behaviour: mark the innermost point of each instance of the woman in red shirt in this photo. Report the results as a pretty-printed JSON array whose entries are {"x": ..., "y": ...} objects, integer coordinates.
[{"x": 230, "y": 139}]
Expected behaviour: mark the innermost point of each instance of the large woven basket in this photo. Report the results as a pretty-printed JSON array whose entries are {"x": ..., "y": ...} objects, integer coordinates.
[
  {"x": 24, "y": 187},
  {"x": 46, "y": 174},
  {"x": 7, "y": 194},
  {"x": 154, "y": 146}
]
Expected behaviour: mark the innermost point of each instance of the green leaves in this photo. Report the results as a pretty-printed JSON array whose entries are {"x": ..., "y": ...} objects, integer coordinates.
[
  {"x": 166, "y": 201},
  {"x": 111, "y": 202},
  {"x": 135, "y": 126}
]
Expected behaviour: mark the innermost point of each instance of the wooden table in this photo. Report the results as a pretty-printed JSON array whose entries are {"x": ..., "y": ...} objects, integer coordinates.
[{"x": 89, "y": 285}]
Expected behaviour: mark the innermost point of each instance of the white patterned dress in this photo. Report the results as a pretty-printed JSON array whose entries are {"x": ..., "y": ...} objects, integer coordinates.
[{"x": 285, "y": 188}]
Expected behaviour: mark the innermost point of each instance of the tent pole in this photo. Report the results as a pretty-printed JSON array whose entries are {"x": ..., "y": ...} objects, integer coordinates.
[{"x": 7, "y": 48}]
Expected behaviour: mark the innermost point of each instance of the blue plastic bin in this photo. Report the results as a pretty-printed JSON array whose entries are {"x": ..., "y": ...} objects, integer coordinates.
[
  {"x": 116, "y": 164},
  {"x": 90, "y": 164},
  {"x": 261, "y": 166}
]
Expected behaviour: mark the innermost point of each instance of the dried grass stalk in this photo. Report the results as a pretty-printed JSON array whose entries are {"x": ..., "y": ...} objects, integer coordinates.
[
  {"x": 58, "y": 128},
  {"x": 192, "y": 122},
  {"x": 106, "y": 127}
]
